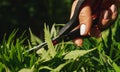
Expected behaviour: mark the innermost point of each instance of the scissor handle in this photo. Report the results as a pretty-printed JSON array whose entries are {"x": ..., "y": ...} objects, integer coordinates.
[
  {"x": 73, "y": 22},
  {"x": 71, "y": 35}
]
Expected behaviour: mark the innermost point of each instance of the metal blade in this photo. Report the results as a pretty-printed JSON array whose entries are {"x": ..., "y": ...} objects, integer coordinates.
[{"x": 35, "y": 48}]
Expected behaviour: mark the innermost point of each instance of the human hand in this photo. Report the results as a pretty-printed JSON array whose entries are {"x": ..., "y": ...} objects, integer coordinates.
[{"x": 107, "y": 14}]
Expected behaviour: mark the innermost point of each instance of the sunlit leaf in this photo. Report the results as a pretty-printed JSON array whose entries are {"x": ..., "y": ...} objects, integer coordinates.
[
  {"x": 43, "y": 54},
  {"x": 26, "y": 70},
  {"x": 34, "y": 39},
  {"x": 53, "y": 31},
  {"x": 77, "y": 53},
  {"x": 45, "y": 67},
  {"x": 49, "y": 42},
  {"x": 114, "y": 65}
]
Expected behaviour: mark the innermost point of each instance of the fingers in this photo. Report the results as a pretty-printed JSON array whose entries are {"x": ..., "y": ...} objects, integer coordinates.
[
  {"x": 108, "y": 16},
  {"x": 85, "y": 18},
  {"x": 113, "y": 9},
  {"x": 85, "y": 21},
  {"x": 78, "y": 41}
]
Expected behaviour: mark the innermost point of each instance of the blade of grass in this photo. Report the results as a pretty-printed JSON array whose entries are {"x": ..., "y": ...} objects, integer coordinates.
[
  {"x": 53, "y": 31},
  {"x": 43, "y": 54},
  {"x": 11, "y": 37},
  {"x": 114, "y": 65}
]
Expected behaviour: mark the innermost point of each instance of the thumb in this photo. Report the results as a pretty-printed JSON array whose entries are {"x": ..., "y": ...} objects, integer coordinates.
[{"x": 85, "y": 21}]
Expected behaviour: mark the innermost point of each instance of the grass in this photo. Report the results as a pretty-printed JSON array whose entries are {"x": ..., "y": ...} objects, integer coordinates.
[{"x": 96, "y": 54}]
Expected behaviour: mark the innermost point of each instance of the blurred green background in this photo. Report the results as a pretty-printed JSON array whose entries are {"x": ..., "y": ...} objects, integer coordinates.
[{"x": 25, "y": 14}]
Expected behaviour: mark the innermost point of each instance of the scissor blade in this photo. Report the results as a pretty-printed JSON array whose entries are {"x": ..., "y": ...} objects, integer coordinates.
[
  {"x": 67, "y": 37},
  {"x": 70, "y": 36},
  {"x": 35, "y": 48}
]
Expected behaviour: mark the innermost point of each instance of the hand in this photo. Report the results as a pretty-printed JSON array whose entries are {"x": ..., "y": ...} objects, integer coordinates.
[{"x": 108, "y": 13}]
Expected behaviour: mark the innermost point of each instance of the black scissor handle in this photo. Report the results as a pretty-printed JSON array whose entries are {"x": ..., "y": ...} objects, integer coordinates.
[{"x": 73, "y": 22}]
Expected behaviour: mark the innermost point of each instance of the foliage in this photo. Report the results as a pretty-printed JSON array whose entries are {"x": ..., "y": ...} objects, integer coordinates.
[{"x": 96, "y": 54}]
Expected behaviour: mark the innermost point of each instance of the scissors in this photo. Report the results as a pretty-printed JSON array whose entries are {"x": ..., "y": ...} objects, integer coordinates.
[{"x": 66, "y": 33}]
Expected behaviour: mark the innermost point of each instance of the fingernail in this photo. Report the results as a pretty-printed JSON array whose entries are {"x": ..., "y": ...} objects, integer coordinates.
[
  {"x": 82, "y": 29},
  {"x": 113, "y": 8},
  {"x": 106, "y": 15}
]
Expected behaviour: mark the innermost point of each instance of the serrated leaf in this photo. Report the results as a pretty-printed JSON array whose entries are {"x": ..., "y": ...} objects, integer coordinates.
[
  {"x": 51, "y": 48},
  {"x": 77, "y": 53},
  {"x": 43, "y": 54},
  {"x": 53, "y": 31},
  {"x": 34, "y": 39}
]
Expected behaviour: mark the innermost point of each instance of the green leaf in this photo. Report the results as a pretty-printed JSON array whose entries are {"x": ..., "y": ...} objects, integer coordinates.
[
  {"x": 29, "y": 44},
  {"x": 53, "y": 31},
  {"x": 51, "y": 48},
  {"x": 4, "y": 68},
  {"x": 1, "y": 67},
  {"x": 26, "y": 70},
  {"x": 114, "y": 65},
  {"x": 34, "y": 39},
  {"x": 12, "y": 51},
  {"x": 77, "y": 53},
  {"x": 43, "y": 54},
  {"x": 45, "y": 67},
  {"x": 11, "y": 37},
  {"x": 19, "y": 50}
]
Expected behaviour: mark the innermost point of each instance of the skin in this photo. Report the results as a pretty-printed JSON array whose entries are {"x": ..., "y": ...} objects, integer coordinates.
[{"x": 107, "y": 15}]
